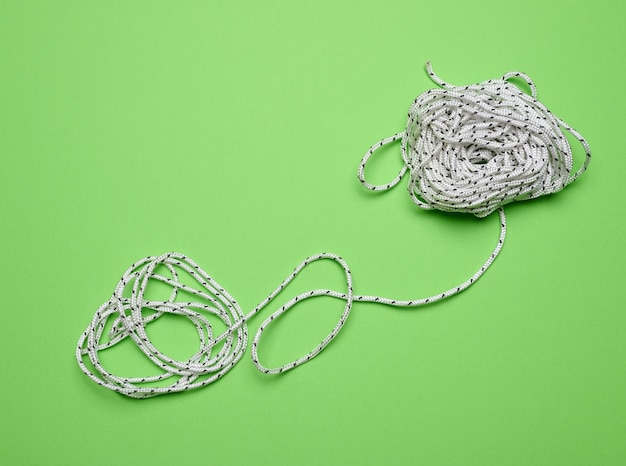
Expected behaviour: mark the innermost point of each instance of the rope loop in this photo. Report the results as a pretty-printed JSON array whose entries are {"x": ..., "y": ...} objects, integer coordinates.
[{"x": 348, "y": 297}]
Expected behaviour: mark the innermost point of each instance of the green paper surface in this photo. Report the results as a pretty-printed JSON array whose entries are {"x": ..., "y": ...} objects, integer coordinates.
[{"x": 231, "y": 132}]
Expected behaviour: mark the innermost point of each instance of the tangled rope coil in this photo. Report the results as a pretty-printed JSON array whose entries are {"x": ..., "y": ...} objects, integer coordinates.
[
  {"x": 128, "y": 316},
  {"x": 468, "y": 149},
  {"x": 476, "y": 148}
]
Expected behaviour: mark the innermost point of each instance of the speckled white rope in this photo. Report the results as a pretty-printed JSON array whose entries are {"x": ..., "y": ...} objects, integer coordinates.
[
  {"x": 468, "y": 149},
  {"x": 129, "y": 316},
  {"x": 128, "y": 312},
  {"x": 476, "y": 148}
]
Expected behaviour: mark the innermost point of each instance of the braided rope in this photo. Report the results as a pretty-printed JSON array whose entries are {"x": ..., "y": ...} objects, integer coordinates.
[
  {"x": 469, "y": 149},
  {"x": 129, "y": 316},
  {"x": 476, "y": 148}
]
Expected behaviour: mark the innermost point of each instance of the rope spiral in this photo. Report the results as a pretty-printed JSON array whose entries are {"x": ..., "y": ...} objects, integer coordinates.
[{"x": 469, "y": 149}]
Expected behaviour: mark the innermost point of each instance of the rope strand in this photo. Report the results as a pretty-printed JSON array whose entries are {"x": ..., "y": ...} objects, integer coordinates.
[{"x": 468, "y": 149}]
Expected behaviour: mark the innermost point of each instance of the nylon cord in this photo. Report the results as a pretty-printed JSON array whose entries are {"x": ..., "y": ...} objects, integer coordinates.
[{"x": 469, "y": 149}]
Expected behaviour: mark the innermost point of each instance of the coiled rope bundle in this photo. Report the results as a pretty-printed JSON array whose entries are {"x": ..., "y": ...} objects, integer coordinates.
[
  {"x": 476, "y": 148},
  {"x": 469, "y": 149}
]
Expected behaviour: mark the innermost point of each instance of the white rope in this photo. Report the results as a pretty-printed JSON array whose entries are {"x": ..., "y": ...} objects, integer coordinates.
[
  {"x": 476, "y": 148},
  {"x": 468, "y": 149},
  {"x": 129, "y": 315}
]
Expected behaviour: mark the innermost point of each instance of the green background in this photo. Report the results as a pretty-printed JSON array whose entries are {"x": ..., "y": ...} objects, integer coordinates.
[{"x": 231, "y": 131}]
